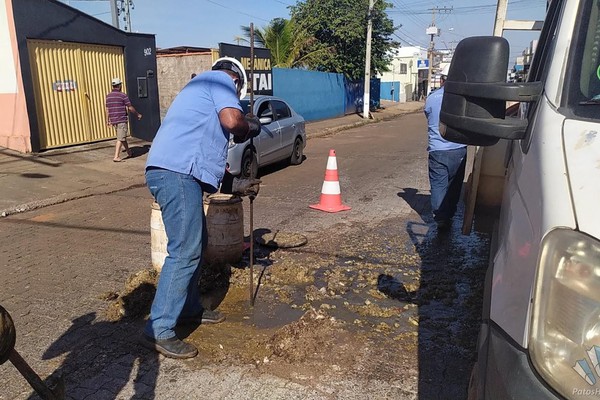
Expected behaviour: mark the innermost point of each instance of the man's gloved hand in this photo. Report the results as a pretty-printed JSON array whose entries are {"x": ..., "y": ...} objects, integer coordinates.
[
  {"x": 254, "y": 125},
  {"x": 245, "y": 187}
]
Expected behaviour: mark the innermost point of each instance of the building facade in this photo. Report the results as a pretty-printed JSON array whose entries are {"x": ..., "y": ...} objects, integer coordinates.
[
  {"x": 402, "y": 81},
  {"x": 58, "y": 67}
]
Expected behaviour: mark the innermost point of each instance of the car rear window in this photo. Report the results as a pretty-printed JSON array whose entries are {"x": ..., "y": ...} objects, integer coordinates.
[{"x": 281, "y": 109}]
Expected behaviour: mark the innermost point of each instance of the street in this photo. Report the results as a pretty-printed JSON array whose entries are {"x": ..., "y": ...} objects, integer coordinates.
[{"x": 377, "y": 304}]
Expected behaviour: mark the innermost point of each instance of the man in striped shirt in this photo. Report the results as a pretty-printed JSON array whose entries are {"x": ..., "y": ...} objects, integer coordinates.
[{"x": 117, "y": 107}]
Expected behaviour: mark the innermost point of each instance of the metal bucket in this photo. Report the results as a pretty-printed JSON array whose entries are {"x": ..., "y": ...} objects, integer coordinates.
[
  {"x": 225, "y": 225},
  {"x": 158, "y": 238}
]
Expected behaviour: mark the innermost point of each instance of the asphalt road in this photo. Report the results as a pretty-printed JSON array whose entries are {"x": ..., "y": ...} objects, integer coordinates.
[
  {"x": 59, "y": 261},
  {"x": 374, "y": 164}
]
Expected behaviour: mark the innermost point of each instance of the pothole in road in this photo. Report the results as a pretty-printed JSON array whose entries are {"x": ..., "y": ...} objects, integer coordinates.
[{"x": 346, "y": 304}]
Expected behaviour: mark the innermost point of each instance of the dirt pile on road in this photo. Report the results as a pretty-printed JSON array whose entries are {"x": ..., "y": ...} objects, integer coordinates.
[
  {"x": 135, "y": 299},
  {"x": 308, "y": 338}
]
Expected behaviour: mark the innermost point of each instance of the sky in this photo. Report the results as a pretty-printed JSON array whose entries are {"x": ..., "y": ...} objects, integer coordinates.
[{"x": 206, "y": 23}]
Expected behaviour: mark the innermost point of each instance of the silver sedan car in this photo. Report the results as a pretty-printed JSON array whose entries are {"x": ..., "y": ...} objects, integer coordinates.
[{"x": 283, "y": 137}]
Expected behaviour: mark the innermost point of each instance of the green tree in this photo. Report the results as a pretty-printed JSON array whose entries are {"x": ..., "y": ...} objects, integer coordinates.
[
  {"x": 339, "y": 30},
  {"x": 288, "y": 46}
]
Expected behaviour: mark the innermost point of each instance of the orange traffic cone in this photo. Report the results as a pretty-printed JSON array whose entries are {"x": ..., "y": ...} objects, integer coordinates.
[{"x": 331, "y": 197}]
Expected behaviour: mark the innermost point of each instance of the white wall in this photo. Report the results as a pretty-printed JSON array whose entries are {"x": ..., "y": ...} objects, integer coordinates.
[{"x": 409, "y": 57}]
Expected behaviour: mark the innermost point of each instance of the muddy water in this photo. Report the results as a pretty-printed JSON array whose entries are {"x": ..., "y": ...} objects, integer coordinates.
[{"x": 393, "y": 301}]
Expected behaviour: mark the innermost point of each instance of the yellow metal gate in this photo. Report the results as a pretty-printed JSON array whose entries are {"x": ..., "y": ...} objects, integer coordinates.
[{"x": 70, "y": 82}]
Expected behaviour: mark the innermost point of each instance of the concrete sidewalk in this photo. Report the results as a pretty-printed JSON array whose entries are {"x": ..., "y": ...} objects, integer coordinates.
[{"x": 31, "y": 181}]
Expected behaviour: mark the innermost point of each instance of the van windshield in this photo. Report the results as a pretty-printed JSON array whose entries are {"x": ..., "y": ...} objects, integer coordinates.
[{"x": 584, "y": 86}]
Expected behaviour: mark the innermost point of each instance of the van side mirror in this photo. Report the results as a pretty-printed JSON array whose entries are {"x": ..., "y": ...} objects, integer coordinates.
[{"x": 475, "y": 94}]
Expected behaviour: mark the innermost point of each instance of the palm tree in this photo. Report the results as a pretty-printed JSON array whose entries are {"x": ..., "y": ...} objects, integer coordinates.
[{"x": 287, "y": 45}]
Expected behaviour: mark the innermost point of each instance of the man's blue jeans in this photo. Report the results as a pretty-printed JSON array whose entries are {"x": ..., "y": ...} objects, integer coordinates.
[
  {"x": 180, "y": 199},
  {"x": 446, "y": 173}
]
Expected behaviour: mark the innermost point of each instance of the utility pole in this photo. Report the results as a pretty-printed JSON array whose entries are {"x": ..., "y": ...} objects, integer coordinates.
[
  {"x": 501, "y": 9},
  {"x": 502, "y": 24},
  {"x": 366, "y": 98},
  {"x": 126, "y": 6},
  {"x": 118, "y": 7},
  {"x": 115, "y": 13},
  {"x": 433, "y": 31}
]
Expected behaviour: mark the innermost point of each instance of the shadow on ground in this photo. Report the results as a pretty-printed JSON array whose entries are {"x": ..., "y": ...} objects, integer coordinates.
[
  {"x": 448, "y": 296},
  {"x": 95, "y": 365}
]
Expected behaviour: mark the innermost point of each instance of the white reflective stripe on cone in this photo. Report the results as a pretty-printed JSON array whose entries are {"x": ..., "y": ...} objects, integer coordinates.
[
  {"x": 331, "y": 163},
  {"x": 331, "y": 187}
]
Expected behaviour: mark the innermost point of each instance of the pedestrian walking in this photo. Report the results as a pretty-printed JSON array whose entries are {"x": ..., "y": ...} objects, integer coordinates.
[
  {"x": 187, "y": 158},
  {"x": 118, "y": 106},
  {"x": 446, "y": 161}
]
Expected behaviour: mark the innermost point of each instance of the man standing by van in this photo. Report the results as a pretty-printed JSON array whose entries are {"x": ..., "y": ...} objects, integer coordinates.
[
  {"x": 118, "y": 106},
  {"x": 446, "y": 161}
]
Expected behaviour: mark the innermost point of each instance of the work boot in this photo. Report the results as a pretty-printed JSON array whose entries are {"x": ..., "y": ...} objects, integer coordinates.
[
  {"x": 171, "y": 347},
  {"x": 444, "y": 225},
  {"x": 205, "y": 317}
]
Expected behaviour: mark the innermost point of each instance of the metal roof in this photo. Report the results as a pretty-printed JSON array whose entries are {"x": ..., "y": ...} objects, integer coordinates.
[{"x": 183, "y": 50}]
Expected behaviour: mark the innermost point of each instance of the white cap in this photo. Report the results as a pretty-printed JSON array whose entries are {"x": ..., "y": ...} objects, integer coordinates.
[{"x": 116, "y": 81}]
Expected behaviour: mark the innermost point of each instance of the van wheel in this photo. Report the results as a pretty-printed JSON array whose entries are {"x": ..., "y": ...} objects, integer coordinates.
[
  {"x": 297, "y": 152},
  {"x": 249, "y": 164}
]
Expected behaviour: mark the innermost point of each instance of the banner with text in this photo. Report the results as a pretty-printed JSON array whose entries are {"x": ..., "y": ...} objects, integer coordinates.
[{"x": 262, "y": 79}]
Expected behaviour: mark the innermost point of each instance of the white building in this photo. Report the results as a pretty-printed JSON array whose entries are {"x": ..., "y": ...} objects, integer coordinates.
[{"x": 404, "y": 69}]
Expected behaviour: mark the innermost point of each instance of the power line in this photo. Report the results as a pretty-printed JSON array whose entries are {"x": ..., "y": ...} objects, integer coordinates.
[
  {"x": 477, "y": 9},
  {"x": 236, "y": 10},
  {"x": 413, "y": 40}
]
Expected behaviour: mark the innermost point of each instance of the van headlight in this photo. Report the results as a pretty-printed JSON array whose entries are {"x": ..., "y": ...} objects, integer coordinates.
[
  {"x": 565, "y": 322},
  {"x": 231, "y": 142}
]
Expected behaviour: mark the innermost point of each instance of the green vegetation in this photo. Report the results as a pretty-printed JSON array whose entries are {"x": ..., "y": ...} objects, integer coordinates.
[{"x": 329, "y": 35}]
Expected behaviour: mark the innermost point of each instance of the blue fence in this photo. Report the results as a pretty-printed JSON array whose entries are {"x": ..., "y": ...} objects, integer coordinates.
[
  {"x": 315, "y": 95},
  {"x": 387, "y": 93},
  {"x": 320, "y": 95},
  {"x": 355, "y": 95}
]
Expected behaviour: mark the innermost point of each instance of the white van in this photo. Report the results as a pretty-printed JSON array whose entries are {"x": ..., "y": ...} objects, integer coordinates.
[{"x": 540, "y": 335}]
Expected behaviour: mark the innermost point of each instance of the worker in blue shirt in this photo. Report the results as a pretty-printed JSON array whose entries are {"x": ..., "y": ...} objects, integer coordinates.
[
  {"x": 187, "y": 158},
  {"x": 446, "y": 162}
]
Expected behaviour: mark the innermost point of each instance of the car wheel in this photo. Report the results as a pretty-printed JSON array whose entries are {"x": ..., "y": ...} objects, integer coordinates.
[
  {"x": 249, "y": 164},
  {"x": 297, "y": 152}
]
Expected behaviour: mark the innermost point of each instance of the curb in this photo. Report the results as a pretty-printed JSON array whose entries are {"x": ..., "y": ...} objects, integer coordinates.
[
  {"x": 63, "y": 198},
  {"x": 362, "y": 122}
]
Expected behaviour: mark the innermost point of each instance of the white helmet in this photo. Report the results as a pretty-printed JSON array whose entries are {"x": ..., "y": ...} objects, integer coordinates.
[{"x": 233, "y": 65}]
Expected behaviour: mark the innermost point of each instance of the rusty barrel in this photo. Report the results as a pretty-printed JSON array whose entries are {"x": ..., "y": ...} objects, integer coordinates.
[{"x": 225, "y": 225}]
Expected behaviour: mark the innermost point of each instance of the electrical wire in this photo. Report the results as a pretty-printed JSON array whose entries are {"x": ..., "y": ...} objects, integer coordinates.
[{"x": 237, "y": 11}]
